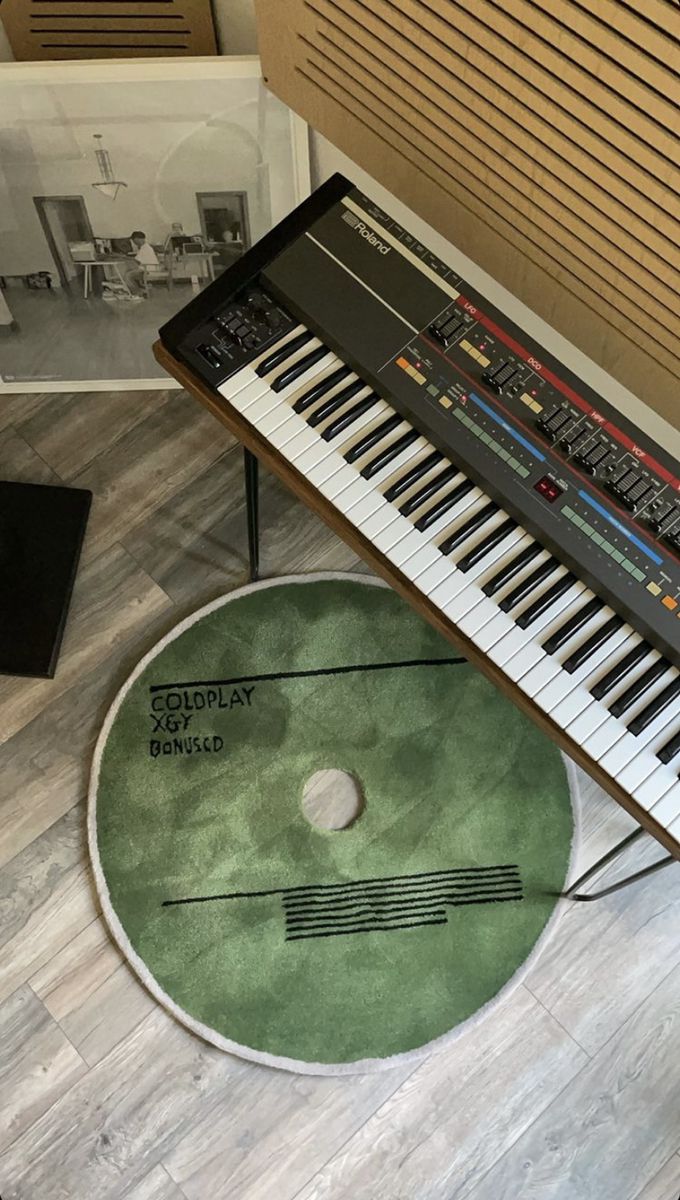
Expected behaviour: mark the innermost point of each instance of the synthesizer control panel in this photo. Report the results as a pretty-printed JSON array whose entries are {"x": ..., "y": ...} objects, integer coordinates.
[{"x": 577, "y": 474}]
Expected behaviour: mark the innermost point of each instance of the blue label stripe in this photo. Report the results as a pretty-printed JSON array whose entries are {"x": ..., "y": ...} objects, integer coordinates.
[
  {"x": 622, "y": 528},
  {"x": 508, "y": 428}
]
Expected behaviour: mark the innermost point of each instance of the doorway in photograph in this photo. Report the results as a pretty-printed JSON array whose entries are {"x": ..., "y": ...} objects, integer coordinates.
[
  {"x": 65, "y": 223},
  {"x": 224, "y": 224}
]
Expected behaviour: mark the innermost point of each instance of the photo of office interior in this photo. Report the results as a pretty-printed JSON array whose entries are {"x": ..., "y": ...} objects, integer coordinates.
[{"x": 116, "y": 205}]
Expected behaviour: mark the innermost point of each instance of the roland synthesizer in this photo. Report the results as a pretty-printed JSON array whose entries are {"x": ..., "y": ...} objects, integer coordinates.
[{"x": 542, "y": 524}]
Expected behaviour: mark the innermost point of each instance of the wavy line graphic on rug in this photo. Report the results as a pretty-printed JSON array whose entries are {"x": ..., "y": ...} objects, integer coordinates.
[{"x": 381, "y": 904}]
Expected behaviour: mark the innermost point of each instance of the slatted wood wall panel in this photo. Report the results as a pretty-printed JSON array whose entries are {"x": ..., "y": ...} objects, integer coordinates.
[
  {"x": 539, "y": 136},
  {"x": 65, "y": 29}
]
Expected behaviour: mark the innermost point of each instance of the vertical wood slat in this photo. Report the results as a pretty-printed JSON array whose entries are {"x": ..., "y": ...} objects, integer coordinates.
[{"x": 541, "y": 139}]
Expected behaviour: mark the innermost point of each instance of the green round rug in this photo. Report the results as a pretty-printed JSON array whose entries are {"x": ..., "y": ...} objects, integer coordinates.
[{"x": 316, "y": 950}]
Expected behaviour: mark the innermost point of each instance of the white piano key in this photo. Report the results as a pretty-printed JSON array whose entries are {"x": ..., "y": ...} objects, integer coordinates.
[
  {"x": 295, "y": 357},
  {"x": 337, "y": 482},
  {"x": 434, "y": 575},
  {"x": 304, "y": 440},
  {"x": 281, "y": 434},
  {"x": 312, "y": 455},
  {"x": 397, "y": 473},
  {"x": 359, "y": 510},
  {"x": 355, "y": 489},
  {"x": 514, "y": 544},
  {"x": 250, "y": 393},
  {"x": 398, "y": 464},
  {"x": 525, "y": 640},
  {"x": 329, "y": 369},
  {"x": 234, "y": 383},
  {"x": 312, "y": 414},
  {"x": 479, "y": 615},
  {"x": 445, "y": 588},
  {"x": 545, "y": 666},
  {"x": 321, "y": 472},
  {"x": 397, "y": 529},
  {"x": 456, "y": 516},
  {"x": 565, "y": 687},
  {"x": 260, "y": 407},
  {"x": 404, "y": 549},
  {"x": 655, "y": 786},
  {"x": 539, "y": 675},
  {"x": 667, "y": 810},
  {"x": 304, "y": 381},
  {"x": 378, "y": 520},
  {"x": 425, "y": 556},
  {"x": 521, "y": 575},
  {"x": 468, "y": 595},
  {"x": 274, "y": 419},
  {"x": 612, "y": 728},
  {"x": 360, "y": 426},
  {"x": 630, "y": 747},
  {"x": 596, "y": 712},
  {"x": 528, "y": 652},
  {"x": 642, "y": 760}
]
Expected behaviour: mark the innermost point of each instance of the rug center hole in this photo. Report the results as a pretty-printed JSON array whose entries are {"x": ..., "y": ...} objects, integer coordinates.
[{"x": 332, "y": 799}]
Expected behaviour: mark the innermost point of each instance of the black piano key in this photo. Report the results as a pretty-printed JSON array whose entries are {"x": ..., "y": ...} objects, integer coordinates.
[
  {"x": 510, "y": 569},
  {"x": 583, "y": 652},
  {"x": 545, "y": 601},
  {"x": 412, "y": 476},
  {"x": 290, "y": 374},
  {"x": 656, "y": 706},
  {"x": 469, "y": 527},
  {"x": 389, "y": 454},
  {"x": 572, "y": 625},
  {"x": 486, "y": 545},
  {"x": 442, "y": 506},
  {"x": 668, "y": 751},
  {"x": 371, "y": 439},
  {"x": 335, "y": 402},
  {"x": 349, "y": 416},
  {"x": 529, "y": 584},
  {"x": 317, "y": 390},
  {"x": 281, "y": 353},
  {"x": 620, "y": 670},
  {"x": 641, "y": 685},
  {"x": 428, "y": 490}
]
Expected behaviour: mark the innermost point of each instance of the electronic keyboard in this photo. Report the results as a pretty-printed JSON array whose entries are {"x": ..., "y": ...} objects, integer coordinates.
[{"x": 516, "y": 509}]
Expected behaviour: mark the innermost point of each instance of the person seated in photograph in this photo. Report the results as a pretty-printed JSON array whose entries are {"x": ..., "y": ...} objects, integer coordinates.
[{"x": 144, "y": 256}]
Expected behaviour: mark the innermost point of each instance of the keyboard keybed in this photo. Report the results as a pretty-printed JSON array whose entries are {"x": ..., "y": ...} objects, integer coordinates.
[{"x": 567, "y": 649}]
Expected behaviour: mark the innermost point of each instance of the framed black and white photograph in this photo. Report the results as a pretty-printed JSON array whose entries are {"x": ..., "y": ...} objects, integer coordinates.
[{"x": 125, "y": 188}]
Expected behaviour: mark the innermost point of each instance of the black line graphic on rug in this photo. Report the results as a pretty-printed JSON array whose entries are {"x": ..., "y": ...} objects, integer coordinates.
[
  {"x": 381, "y": 904},
  {"x": 389, "y": 666}
]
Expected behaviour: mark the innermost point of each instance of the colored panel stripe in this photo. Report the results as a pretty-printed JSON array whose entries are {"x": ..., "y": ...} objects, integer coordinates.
[
  {"x": 622, "y": 528},
  {"x": 508, "y": 428}
]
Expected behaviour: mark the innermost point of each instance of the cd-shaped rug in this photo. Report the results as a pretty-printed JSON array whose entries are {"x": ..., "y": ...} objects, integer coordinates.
[{"x": 317, "y": 949}]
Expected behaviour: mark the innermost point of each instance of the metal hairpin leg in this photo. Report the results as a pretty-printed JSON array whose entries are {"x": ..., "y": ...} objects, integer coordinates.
[
  {"x": 250, "y": 473},
  {"x": 573, "y": 893}
]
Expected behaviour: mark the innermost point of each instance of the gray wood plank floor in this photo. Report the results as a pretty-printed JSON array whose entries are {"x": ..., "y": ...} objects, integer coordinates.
[{"x": 570, "y": 1091}]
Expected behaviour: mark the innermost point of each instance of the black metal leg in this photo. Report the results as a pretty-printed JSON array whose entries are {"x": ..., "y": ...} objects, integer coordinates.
[
  {"x": 573, "y": 893},
  {"x": 250, "y": 473}
]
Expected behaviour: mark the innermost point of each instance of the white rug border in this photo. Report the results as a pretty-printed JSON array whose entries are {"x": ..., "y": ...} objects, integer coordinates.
[{"x": 358, "y": 1066}]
